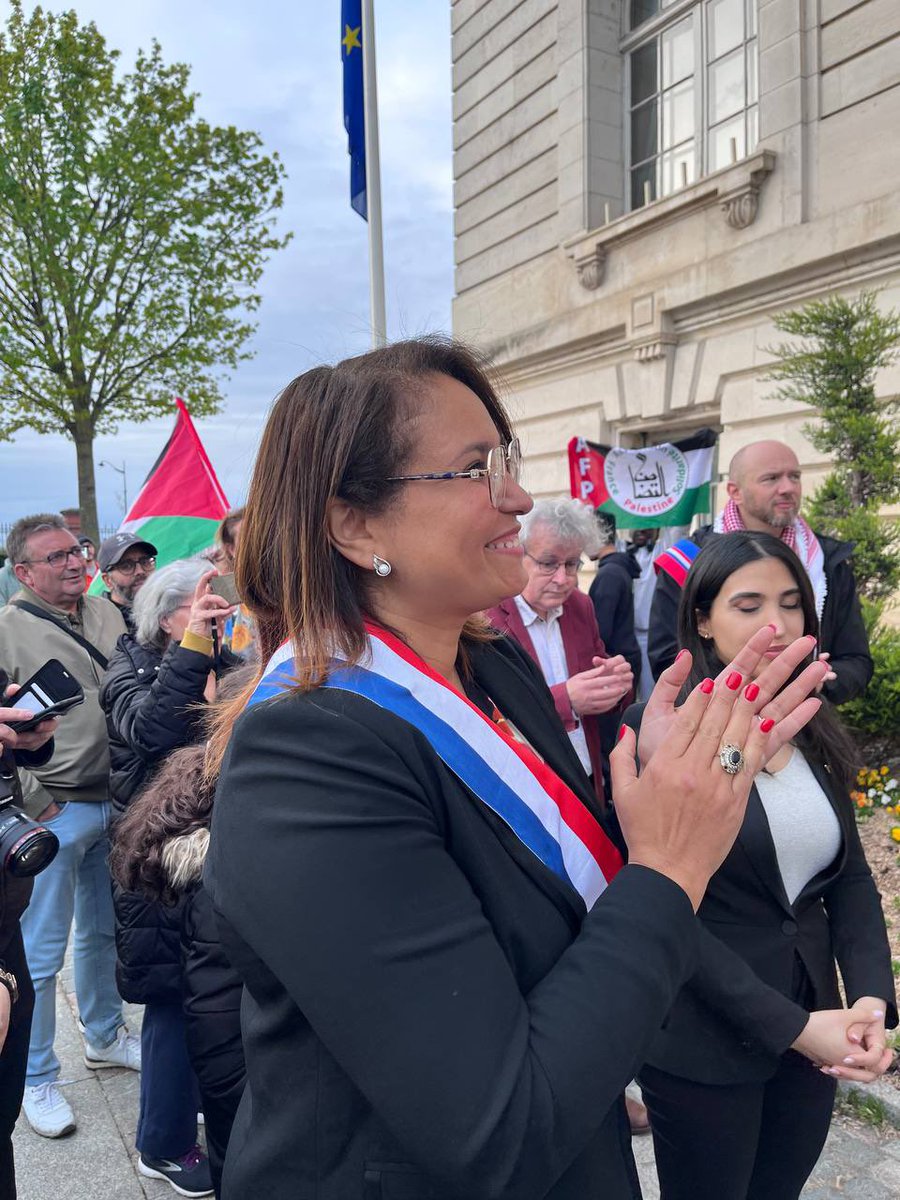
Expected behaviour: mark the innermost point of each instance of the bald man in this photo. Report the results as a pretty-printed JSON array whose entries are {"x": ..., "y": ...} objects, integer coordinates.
[{"x": 764, "y": 493}]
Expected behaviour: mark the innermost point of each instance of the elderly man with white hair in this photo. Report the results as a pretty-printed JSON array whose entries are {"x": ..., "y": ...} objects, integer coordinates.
[
  {"x": 556, "y": 624},
  {"x": 764, "y": 493}
]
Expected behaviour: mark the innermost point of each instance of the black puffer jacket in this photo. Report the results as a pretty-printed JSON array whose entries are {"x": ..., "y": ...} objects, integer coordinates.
[
  {"x": 212, "y": 996},
  {"x": 150, "y": 699},
  {"x": 153, "y": 704}
]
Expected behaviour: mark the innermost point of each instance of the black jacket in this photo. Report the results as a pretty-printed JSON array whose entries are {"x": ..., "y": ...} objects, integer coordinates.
[
  {"x": 153, "y": 704},
  {"x": 842, "y": 631},
  {"x": 612, "y": 593},
  {"x": 212, "y": 998},
  {"x": 838, "y": 915},
  {"x": 454, "y": 1026},
  {"x": 127, "y": 611}
]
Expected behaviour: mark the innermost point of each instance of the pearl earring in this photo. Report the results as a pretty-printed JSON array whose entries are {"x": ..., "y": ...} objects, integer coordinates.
[{"x": 382, "y": 566}]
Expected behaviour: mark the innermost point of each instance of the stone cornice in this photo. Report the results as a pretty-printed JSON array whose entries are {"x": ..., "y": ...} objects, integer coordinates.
[{"x": 735, "y": 189}]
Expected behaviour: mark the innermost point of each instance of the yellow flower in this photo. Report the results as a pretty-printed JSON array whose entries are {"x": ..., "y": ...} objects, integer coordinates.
[
  {"x": 884, "y": 770},
  {"x": 895, "y": 833}
]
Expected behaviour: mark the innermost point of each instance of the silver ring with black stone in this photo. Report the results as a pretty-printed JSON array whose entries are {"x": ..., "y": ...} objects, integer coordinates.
[{"x": 732, "y": 759}]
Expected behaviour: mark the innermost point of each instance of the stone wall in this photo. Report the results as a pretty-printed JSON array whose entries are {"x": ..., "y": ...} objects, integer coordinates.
[{"x": 654, "y": 322}]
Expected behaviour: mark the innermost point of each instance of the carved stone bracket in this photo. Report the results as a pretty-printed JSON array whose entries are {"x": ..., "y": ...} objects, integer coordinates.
[
  {"x": 591, "y": 267},
  {"x": 734, "y": 189},
  {"x": 742, "y": 203}
]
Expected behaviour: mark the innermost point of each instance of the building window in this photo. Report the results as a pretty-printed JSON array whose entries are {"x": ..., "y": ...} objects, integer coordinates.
[{"x": 693, "y": 91}]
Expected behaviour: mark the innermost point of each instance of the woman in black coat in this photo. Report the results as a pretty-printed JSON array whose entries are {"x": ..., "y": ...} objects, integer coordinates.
[
  {"x": 154, "y": 694},
  {"x": 158, "y": 851},
  {"x": 443, "y": 998},
  {"x": 730, "y": 1119}
]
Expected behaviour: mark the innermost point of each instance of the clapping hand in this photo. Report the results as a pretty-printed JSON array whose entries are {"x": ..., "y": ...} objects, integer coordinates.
[
  {"x": 790, "y": 709},
  {"x": 601, "y": 688}
]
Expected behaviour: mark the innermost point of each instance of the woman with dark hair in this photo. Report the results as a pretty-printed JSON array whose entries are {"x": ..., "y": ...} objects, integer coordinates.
[
  {"x": 158, "y": 850},
  {"x": 448, "y": 978},
  {"x": 731, "y": 1120}
]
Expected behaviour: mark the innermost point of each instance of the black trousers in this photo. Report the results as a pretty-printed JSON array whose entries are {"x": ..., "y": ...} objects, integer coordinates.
[
  {"x": 13, "y": 1061},
  {"x": 749, "y": 1141}
]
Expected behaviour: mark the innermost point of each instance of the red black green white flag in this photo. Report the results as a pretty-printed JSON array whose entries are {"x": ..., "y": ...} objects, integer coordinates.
[
  {"x": 181, "y": 503},
  {"x": 655, "y": 486}
]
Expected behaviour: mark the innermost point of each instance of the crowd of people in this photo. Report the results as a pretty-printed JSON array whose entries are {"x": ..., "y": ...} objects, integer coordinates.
[{"x": 420, "y": 854}]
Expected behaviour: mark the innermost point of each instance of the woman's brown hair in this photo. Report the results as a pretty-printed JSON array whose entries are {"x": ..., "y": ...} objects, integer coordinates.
[{"x": 334, "y": 432}]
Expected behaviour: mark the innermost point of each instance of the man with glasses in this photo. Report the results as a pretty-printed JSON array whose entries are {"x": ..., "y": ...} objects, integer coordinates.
[
  {"x": 126, "y": 563},
  {"x": 555, "y": 623},
  {"x": 51, "y": 617}
]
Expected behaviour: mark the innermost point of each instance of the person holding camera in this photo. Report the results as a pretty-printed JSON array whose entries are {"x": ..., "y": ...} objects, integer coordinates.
[
  {"x": 32, "y": 749},
  {"x": 51, "y": 617}
]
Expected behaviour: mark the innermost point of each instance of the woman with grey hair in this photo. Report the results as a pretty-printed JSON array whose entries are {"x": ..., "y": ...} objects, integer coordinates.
[{"x": 158, "y": 682}]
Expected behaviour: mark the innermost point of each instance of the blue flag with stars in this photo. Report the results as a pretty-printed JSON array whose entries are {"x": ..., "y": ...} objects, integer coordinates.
[{"x": 354, "y": 102}]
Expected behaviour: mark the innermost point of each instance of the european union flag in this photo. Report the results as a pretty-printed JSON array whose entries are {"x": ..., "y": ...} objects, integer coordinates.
[{"x": 354, "y": 102}]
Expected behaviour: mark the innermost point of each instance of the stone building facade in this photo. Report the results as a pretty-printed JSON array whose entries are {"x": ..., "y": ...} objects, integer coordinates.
[{"x": 641, "y": 184}]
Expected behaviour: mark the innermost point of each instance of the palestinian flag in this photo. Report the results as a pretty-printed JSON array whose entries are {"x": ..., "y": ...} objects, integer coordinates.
[
  {"x": 655, "y": 486},
  {"x": 181, "y": 503}
]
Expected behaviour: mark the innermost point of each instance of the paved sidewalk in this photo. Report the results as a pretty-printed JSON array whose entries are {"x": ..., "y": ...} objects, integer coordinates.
[{"x": 98, "y": 1161}]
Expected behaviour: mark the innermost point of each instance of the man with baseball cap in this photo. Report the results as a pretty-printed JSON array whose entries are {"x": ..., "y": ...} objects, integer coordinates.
[{"x": 125, "y": 562}]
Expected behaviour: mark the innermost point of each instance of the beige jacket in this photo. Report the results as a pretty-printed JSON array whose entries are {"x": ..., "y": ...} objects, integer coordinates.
[{"x": 79, "y": 768}]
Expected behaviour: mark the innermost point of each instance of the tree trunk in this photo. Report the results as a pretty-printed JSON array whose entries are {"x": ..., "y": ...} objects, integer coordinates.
[{"x": 83, "y": 437}]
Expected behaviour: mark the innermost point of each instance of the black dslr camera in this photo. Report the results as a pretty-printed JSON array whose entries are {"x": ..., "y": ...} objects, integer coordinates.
[{"x": 26, "y": 847}]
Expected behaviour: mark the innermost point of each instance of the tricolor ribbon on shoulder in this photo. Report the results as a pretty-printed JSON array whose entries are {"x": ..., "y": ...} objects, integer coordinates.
[
  {"x": 677, "y": 560},
  {"x": 539, "y": 808}
]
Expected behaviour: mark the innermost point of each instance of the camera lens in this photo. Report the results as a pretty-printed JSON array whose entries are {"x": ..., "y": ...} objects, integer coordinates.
[{"x": 25, "y": 847}]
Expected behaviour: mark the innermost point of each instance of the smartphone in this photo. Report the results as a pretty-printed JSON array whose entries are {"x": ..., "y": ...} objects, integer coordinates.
[
  {"x": 50, "y": 692},
  {"x": 224, "y": 586}
]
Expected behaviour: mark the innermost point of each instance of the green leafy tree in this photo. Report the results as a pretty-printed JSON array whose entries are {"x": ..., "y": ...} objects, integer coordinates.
[
  {"x": 832, "y": 365},
  {"x": 133, "y": 235}
]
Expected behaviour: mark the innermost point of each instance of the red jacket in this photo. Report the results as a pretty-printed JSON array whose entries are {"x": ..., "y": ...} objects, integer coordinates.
[{"x": 582, "y": 643}]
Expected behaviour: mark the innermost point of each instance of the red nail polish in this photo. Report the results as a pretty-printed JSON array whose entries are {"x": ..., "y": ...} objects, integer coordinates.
[
  {"x": 622, "y": 729},
  {"x": 734, "y": 680},
  {"x": 751, "y": 691},
  {"x": 707, "y": 686},
  {"x": 766, "y": 724}
]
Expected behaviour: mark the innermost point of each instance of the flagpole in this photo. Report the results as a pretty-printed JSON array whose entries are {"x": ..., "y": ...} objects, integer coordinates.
[{"x": 373, "y": 178}]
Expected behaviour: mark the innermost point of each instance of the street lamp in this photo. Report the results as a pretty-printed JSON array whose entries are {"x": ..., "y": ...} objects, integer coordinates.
[{"x": 121, "y": 471}]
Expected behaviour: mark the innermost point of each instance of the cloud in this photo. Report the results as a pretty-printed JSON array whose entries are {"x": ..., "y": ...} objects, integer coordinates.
[{"x": 275, "y": 67}]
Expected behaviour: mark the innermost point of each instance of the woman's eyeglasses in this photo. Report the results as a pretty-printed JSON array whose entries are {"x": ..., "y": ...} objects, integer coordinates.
[{"x": 503, "y": 463}]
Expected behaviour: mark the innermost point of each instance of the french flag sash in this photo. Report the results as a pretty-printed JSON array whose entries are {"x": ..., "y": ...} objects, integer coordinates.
[
  {"x": 507, "y": 776},
  {"x": 677, "y": 560}
]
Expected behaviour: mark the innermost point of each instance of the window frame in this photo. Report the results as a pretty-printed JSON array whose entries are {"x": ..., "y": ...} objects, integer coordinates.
[{"x": 651, "y": 31}]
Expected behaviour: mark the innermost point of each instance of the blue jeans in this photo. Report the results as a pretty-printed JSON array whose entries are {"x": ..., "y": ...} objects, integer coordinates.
[{"x": 76, "y": 883}]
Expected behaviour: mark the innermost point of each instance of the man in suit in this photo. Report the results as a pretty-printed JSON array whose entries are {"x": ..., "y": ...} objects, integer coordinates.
[{"x": 555, "y": 623}]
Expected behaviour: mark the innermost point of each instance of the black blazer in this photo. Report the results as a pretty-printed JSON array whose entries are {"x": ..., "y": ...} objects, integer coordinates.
[
  {"x": 427, "y": 1013},
  {"x": 837, "y": 916}
]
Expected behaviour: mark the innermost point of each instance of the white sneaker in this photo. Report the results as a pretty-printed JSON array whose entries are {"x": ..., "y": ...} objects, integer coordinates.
[
  {"x": 125, "y": 1051},
  {"x": 47, "y": 1110}
]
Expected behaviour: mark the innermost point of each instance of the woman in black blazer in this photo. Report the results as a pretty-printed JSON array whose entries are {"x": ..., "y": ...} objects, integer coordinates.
[
  {"x": 731, "y": 1120},
  {"x": 442, "y": 999}
]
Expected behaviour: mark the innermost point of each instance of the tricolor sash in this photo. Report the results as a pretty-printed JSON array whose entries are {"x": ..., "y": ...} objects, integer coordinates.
[
  {"x": 676, "y": 561},
  {"x": 530, "y": 798}
]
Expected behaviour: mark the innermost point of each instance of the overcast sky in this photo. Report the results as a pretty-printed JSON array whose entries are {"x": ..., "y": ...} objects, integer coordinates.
[{"x": 274, "y": 66}]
